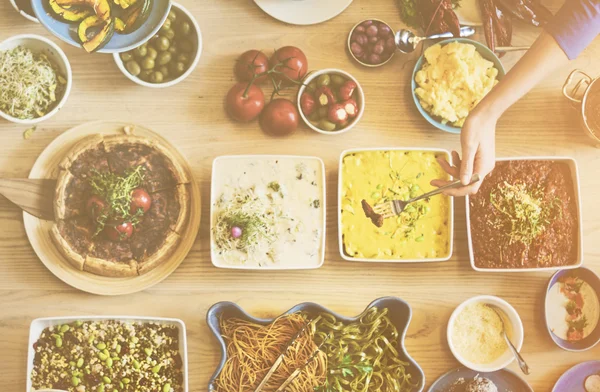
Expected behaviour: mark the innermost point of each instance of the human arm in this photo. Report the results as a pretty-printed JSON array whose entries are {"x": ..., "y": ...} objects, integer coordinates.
[{"x": 576, "y": 21}]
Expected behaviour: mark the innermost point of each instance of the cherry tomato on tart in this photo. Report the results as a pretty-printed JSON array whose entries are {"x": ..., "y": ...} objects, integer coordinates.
[{"x": 121, "y": 203}]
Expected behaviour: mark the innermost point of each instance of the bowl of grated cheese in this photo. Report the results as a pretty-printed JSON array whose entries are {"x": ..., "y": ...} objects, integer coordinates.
[
  {"x": 36, "y": 79},
  {"x": 475, "y": 333}
]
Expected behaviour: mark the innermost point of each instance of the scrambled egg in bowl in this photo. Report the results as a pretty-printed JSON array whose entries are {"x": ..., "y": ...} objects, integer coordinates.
[
  {"x": 452, "y": 81},
  {"x": 423, "y": 231}
]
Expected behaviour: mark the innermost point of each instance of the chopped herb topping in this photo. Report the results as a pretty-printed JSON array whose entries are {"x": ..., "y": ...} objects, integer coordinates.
[
  {"x": 316, "y": 203},
  {"x": 524, "y": 214},
  {"x": 116, "y": 192},
  {"x": 274, "y": 186}
]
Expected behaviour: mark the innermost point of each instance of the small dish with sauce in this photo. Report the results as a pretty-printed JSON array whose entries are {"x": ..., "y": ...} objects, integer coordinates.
[
  {"x": 474, "y": 333},
  {"x": 572, "y": 309},
  {"x": 423, "y": 232},
  {"x": 268, "y": 212}
]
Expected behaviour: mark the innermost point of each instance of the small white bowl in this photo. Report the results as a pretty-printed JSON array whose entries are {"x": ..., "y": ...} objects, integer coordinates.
[
  {"x": 23, "y": 13},
  {"x": 37, "y": 43},
  {"x": 191, "y": 68},
  {"x": 517, "y": 333},
  {"x": 360, "y": 101}
]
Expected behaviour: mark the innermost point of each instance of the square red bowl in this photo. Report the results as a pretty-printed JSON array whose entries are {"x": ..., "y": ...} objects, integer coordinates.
[{"x": 576, "y": 191}]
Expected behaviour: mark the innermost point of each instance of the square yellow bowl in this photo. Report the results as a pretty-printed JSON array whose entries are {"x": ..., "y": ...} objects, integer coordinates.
[{"x": 422, "y": 171}]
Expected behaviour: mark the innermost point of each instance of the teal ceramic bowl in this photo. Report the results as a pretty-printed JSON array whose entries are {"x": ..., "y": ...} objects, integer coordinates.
[{"x": 483, "y": 50}]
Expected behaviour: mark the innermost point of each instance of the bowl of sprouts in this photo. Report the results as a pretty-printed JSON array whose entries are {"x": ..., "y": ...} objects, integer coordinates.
[{"x": 35, "y": 81}]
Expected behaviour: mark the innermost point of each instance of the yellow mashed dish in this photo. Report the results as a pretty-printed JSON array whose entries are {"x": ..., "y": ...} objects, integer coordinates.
[
  {"x": 421, "y": 231},
  {"x": 452, "y": 81}
]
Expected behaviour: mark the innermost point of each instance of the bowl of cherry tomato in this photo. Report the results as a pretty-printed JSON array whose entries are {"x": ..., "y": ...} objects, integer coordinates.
[{"x": 331, "y": 101}]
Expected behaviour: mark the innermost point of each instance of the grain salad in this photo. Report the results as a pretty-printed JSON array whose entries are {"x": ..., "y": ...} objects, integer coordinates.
[
  {"x": 30, "y": 84},
  {"x": 108, "y": 356}
]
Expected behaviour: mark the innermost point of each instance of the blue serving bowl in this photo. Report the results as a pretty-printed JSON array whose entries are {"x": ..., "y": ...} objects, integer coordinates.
[
  {"x": 483, "y": 50},
  {"x": 119, "y": 42},
  {"x": 593, "y": 280},
  {"x": 400, "y": 314}
]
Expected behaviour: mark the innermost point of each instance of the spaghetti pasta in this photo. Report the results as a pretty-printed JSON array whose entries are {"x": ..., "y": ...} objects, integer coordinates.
[{"x": 253, "y": 348}]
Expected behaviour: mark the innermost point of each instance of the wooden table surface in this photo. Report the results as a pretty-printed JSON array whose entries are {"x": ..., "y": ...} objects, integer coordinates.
[{"x": 191, "y": 115}]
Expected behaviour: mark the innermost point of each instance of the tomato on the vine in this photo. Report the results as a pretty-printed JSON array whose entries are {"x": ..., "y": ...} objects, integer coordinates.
[
  {"x": 280, "y": 117},
  {"x": 294, "y": 64},
  {"x": 251, "y": 63},
  {"x": 244, "y": 102}
]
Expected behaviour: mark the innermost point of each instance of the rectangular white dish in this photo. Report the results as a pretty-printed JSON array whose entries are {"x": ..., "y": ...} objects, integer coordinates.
[
  {"x": 38, "y": 325},
  {"x": 375, "y": 260},
  {"x": 222, "y": 177},
  {"x": 576, "y": 192}
]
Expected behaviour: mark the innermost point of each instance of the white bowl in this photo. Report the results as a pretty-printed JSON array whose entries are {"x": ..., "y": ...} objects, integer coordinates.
[
  {"x": 217, "y": 186},
  {"x": 517, "y": 333},
  {"x": 360, "y": 100},
  {"x": 187, "y": 73},
  {"x": 23, "y": 14},
  {"x": 38, "y": 325},
  {"x": 38, "y": 43},
  {"x": 576, "y": 191},
  {"x": 339, "y": 211}
]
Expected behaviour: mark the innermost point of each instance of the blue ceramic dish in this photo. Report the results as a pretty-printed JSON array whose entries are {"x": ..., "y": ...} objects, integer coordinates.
[
  {"x": 399, "y": 311},
  {"x": 593, "y": 280},
  {"x": 119, "y": 42},
  {"x": 573, "y": 379},
  {"x": 505, "y": 380},
  {"x": 483, "y": 50}
]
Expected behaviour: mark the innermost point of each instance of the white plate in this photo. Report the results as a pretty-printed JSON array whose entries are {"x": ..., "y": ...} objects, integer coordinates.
[
  {"x": 469, "y": 13},
  {"x": 215, "y": 193},
  {"x": 38, "y": 325},
  {"x": 339, "y": 212},
  {"x": 576, "y": 191},
  {"x": 303, "y": 12}
]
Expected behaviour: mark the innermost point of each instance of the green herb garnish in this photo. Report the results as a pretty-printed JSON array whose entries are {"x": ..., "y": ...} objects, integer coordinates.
[
  {"x": 116, "y": 192},
  {"x": 316, "y": 203},
  {"x": 523, "y": 213},
  {"x": 274, "y": 186},
  {"x": 578, "y": 324},
  {"x": 571, "y": 307}
]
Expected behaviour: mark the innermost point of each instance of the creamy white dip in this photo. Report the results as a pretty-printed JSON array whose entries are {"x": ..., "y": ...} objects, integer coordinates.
[{"x": 290, "y": 188}]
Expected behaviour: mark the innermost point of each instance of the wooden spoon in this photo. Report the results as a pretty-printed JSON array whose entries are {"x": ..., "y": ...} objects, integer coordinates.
[{"x": 34, "y": 196}]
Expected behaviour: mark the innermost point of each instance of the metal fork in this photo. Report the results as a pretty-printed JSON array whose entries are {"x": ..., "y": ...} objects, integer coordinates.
[{"x": 395, "y": 207}]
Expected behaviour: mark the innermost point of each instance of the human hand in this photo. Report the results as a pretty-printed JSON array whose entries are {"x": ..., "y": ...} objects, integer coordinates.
[{"x": 478, "y": 142}]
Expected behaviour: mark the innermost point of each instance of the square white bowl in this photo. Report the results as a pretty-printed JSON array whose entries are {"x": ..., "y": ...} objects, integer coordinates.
[
  {"x": 39, "y": 324},
  {"x": 339, "y": 212},
  {"x": 576, "y": 191},
  {"x": 214, "y": 195}
]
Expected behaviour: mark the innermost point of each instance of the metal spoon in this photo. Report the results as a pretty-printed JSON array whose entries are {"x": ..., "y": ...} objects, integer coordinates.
[
  {"x": 407, "y": 41},
  {"x": 522, "y": 364}
]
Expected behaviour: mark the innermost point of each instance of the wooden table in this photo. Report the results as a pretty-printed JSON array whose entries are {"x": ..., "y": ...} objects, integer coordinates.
[{"x": 191, "y": 115}]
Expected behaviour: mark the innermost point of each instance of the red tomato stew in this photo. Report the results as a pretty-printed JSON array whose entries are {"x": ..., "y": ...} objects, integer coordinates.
[{"x": 525, "y": 216}]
